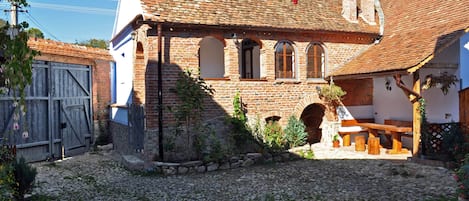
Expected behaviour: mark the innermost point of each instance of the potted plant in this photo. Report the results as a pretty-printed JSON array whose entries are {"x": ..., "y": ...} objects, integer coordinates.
[{"x": 335, "y": 141}]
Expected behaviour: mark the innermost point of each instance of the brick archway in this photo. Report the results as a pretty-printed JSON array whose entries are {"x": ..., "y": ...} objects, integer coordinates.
[
  {"x": 312, "y": 117},
  {"x": 139, "y": 75}
]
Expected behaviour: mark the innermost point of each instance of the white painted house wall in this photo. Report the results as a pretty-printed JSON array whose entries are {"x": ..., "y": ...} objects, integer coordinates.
[
  {"x": 391, "y": 104},
  {"x": 121, "y": 49},
  {"x": 442, "y": 108},
  {"x": 126, "y": 12}
]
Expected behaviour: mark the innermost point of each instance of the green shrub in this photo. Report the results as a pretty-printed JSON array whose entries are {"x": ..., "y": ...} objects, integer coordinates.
[
  {"x": 208, "y": 146},
  {"x": 273, "y": 136},
  {"x": 462, "y": 177},
  {"x": 6, "y": 172},
  {"x": 332, "y": 93},
  {"x": 295, "y": 132},
  {"x": 6, "y": 180},
  {"x": 24, "y": 176}
]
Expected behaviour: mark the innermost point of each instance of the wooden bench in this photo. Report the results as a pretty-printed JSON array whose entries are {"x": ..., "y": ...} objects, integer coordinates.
[
  {"x": 399, "y": 123},
  {"x": 349, "y": 127}
]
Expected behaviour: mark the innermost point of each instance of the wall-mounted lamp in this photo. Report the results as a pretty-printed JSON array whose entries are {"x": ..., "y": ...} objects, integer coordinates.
[
  {"x": 235, "y": 37},
  {"x": 133, "y": 35}
]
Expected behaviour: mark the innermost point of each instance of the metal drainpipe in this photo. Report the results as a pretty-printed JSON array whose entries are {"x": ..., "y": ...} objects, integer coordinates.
[
  {"x": 160, "y": 95},
  {"x": 379, "y": 9}
]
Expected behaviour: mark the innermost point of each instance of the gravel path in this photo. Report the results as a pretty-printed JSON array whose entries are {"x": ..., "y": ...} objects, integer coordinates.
[{"x": 98, "y": 176}]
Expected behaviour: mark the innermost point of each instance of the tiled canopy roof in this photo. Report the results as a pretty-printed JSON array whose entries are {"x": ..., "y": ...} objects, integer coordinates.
[
  {"x": 67, "y": 49},
  {"x": 283, "y": 14},
  {"x": 414, "y": 30}
]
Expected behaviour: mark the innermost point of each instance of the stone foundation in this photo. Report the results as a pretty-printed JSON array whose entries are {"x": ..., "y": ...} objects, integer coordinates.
[{"x": 120, "y": 138}]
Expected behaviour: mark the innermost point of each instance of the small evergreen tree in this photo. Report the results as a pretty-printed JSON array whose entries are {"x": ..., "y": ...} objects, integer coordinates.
[
  {"x": 24, "y": 178},
  {"x": 295, "y": 132}
]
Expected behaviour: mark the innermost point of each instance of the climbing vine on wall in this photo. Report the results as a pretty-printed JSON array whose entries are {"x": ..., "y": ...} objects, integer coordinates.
[{"x": 16, "y": 63}]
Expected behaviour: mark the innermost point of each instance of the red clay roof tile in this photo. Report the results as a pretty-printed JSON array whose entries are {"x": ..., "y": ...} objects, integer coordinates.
[
  {"x": 413, "y": 31},
  {"x": 306, "y": 15},
  {"x": 66, "y": 49}
]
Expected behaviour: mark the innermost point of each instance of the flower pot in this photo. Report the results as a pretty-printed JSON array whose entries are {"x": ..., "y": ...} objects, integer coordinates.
[{"x": 336, "y": 143}]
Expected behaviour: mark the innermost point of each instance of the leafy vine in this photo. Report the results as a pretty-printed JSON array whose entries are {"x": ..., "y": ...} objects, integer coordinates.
[{"x": 16, "y": 63}]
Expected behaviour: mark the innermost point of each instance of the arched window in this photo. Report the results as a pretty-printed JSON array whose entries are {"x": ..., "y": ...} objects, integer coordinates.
[
  {"x": 211, "y": 58},
  {"x": 250, "y": 60},
  {"x": 285, "y": 60},
  {"x": 316, "y": 64}
]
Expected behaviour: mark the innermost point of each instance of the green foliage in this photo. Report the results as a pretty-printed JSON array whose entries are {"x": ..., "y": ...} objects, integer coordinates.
[
  {"x": 24, "y": 175},
  {"x": 332, "y": 93},
  {"x": 295, "y": 132},
  {"x": 20, "y": 3},
  {"x": 442, "y": 81},
  {"x": 308, "y": 154},
  {"x": 462, "y": 177},
  {"x": 335, "y": 137},
  {"x": 208, "y": 145},
  {"x": 240, "y": 130},
  {"x": 96, "y": 43},
  {"x": 246, "y": 137},
  {"x": 191, "y": 91},
  {"x": 273, "y": 136},
  {"x": 16, "y": 70},
  {"x": 16, "y": 63},
  {"x": 239, "y": 108},
  {"x": 35, "y": 33},
  {"x": 6, "y": 171},
  {"x": 7, "y": 180}
]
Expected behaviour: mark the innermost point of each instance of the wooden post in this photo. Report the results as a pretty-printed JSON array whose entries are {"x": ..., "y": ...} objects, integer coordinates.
[
  {"x": 360, "y": 143},
  {"x": 416, "y": 114},
  {"x": 373, "y": 146},
  {"x": 346, "y": 140}
]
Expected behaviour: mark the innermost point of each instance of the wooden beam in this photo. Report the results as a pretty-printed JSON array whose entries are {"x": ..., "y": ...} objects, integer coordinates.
[
  {"x": 416, "y": 117},
  {"x": 421, "y": 64},
  {"x": 65, "y": 59}
]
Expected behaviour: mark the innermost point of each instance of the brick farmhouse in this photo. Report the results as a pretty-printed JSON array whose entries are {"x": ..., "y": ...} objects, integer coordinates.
[{"x": 277, "y": 54}]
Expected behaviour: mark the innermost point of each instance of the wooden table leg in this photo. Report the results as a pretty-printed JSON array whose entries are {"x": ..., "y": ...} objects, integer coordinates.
[
  {"x": 397, "y": 144},
  {"x": 346, "y": 140},
  {"x": 372, "y": 133}
]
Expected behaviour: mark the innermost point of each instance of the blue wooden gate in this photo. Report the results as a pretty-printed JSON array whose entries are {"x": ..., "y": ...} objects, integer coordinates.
[{"x": 58, "y": 120}]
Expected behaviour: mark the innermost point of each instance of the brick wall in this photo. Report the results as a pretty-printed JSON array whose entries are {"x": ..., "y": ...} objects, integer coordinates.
[
  {"x": 101, "y": 89},
  {"x": 263, "y": 98},
  {"x": 101, "y": 97}
]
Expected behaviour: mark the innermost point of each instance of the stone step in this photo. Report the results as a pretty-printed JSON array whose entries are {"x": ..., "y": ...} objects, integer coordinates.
[{"x": 132, "y": 162}]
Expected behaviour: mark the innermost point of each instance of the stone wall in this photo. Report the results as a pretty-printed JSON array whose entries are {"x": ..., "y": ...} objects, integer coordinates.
[{"x": 120, "y": 138}]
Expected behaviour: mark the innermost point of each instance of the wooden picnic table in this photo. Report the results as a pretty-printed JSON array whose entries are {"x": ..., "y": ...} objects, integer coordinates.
[{"x": 395, "y": 131}]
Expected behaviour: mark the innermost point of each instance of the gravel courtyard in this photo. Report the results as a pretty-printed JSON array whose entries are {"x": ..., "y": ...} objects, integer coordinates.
[{"x": 99, "y": 176}]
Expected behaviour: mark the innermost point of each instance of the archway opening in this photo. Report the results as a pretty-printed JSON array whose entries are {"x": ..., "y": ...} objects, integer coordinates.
[{"x": 312, "y": 117}]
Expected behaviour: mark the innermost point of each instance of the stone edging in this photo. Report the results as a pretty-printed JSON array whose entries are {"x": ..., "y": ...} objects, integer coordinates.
[{"x": 191, "y": 167}]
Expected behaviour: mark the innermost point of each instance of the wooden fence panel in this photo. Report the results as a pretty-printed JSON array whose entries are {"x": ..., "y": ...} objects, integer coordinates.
[{"x": 464, "y": 111}]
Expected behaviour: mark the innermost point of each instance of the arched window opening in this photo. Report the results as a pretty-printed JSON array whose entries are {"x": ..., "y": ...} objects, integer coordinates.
[
  {"x": 250, "y": 59},
  {"x": 272, "y": 119},
  {"x": 211, "y": 58},
  {"x": 316, "y": 64},
  {"x": 138, "y": 95},
  {"x": 285, "y": 60}
]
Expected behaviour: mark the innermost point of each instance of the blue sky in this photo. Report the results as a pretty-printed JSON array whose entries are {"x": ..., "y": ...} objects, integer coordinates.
[{"x": 69, "y": 20}]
